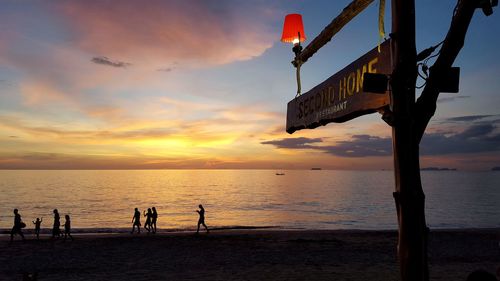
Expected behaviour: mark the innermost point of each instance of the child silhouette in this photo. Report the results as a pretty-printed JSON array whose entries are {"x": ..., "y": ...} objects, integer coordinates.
[
  {"x": 37, "y": 224},
  {"x": 67, "y": 228}
]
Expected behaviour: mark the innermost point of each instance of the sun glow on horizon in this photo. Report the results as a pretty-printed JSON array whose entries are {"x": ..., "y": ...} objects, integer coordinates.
[{"x": 147, "y": 91}]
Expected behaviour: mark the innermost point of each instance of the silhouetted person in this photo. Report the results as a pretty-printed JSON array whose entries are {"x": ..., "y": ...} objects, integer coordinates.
[
  {"x": 481, "y": 275},
  {"x": 136, "y": 221},
  {"x": 67, "y": 228},
  {"x": 201, "y": 220},
  {"x": 56, "y": 232},
  {"x": 18, "y": 226},
  {"x": 149, "y": 216},
  {"x": 153, "y": 220},
  {"x": 37, "y": 224}
]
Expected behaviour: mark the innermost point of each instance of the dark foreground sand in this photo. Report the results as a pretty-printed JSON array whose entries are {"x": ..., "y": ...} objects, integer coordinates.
[{"x": 245, "y": 255}]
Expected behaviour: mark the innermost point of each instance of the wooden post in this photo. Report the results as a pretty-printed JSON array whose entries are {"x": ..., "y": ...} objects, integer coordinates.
[
  {"x": 409, "y": 196},
  {"x": 407, "y": 117}
]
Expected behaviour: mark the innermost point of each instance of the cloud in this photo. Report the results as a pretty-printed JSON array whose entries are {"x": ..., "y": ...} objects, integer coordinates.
[
  {"x": 474, "y": 139},
  {"x": 248, "y": 112},
  {"x": 468, "y": 118},
  {"x": 107, "y": 61},
  {"x": 120, "y": 128},
  {"x": 197, "y": 33},
  {"x": 451, "y": 99},
  {"x": 361, "y": 146},
  {"x": 51, "y": 74},
  {"x": 159, "y": 133},
  {"x": 6, "y": 83},
  {"x": 358, "y": 146},
  {"x": 477, "y": 138},
  {"x": 106, "y": 112},
  {"x": 294, "y": 143},
  {"x": 476, "y": 131},
  {"x": 103, "y": 135},
  {"x": 165, "y": 69},
  {"x": 39, "y": 156},
  {"x": 36, "y": 92},
  {"x": 43, "y": 160}
]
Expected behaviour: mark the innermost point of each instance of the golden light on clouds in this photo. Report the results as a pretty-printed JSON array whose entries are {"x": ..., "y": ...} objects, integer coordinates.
[{"x": 187, "y": 84}]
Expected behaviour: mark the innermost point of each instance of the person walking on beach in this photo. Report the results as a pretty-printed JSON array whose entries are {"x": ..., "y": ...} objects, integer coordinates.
[
  {"x": 18, "y": 226},
  {"x": 136, "y": 221},
  {"x": 153, "y": 221},
  {"x": 149, "y": 216},
  {"x": 37, "y": 224},
  {"x": 56, "y": 232},
  {"x": 67, "y": 228},
  {"x": 201, "y": 220}
]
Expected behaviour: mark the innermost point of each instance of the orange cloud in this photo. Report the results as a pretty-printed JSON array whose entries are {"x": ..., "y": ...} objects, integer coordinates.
[
  {"x": 192, "y": 32},
  {"x": 37, "y": 92}
]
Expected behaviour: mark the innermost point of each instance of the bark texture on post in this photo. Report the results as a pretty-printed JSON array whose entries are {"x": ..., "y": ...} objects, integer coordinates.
[{"x": 409, "y": 196}]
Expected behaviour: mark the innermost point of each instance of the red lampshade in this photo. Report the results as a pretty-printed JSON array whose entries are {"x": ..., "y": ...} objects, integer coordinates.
[{"x": 293, "y": 25}]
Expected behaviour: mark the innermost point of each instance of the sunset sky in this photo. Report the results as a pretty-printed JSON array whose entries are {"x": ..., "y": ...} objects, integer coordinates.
[{"x": 204, "y": 84}]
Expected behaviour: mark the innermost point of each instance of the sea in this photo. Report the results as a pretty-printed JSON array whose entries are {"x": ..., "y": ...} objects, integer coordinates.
[{"x": 104, "y": 200}]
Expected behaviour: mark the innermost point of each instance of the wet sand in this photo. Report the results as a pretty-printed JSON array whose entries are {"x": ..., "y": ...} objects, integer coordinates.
[{"x": 245, "y": 255}]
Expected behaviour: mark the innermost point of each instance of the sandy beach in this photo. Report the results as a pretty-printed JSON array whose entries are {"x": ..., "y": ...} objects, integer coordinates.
[{"x": 245, "y": 255}]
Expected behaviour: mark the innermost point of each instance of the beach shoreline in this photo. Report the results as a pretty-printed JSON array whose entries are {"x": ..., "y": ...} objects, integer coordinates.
[
  {"x": 245, "y": 254},
  {"x": 126, "y": 230},
  {"x": 92, "y": 231}
]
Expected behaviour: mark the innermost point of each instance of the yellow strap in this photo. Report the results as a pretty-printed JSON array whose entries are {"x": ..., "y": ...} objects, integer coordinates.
[{"x": 381, "y": 15}]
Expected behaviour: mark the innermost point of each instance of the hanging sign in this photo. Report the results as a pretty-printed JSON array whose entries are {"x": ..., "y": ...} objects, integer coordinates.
[{"x": 341, "y": 97}]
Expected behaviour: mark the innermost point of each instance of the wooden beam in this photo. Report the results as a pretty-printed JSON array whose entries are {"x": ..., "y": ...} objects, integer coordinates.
[{"x": 349, "y": 12}]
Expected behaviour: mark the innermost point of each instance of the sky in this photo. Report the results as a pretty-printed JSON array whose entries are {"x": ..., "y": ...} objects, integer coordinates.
[{"x": 192, "y": 84}]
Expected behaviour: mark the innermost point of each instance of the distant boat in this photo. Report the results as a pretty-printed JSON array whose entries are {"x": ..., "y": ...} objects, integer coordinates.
[
  {"x": 437, "y": 169},
  {"x": 315, "y": 169},
  {"x": 280, "y": 174}
]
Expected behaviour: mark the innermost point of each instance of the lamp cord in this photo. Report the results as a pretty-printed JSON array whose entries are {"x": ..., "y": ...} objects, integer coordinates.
[{"x": 299, "y": 63}]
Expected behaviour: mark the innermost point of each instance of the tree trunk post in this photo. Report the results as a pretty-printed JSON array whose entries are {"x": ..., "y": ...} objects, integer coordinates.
[{"x": 409, "y": 196}]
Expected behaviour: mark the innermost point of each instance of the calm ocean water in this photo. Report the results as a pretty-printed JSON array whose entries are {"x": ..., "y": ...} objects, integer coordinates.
[{"x": 299, "y": 199}]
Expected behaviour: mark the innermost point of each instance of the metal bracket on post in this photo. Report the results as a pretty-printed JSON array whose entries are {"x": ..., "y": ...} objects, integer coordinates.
[{"x": 387, "y": 115}]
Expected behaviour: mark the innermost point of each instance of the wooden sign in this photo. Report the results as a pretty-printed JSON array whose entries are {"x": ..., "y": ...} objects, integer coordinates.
[{"x": 341, "y": 97}]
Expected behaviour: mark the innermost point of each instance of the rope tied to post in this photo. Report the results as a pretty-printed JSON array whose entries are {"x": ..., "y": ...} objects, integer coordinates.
[{"x": 298, "y": 63}]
